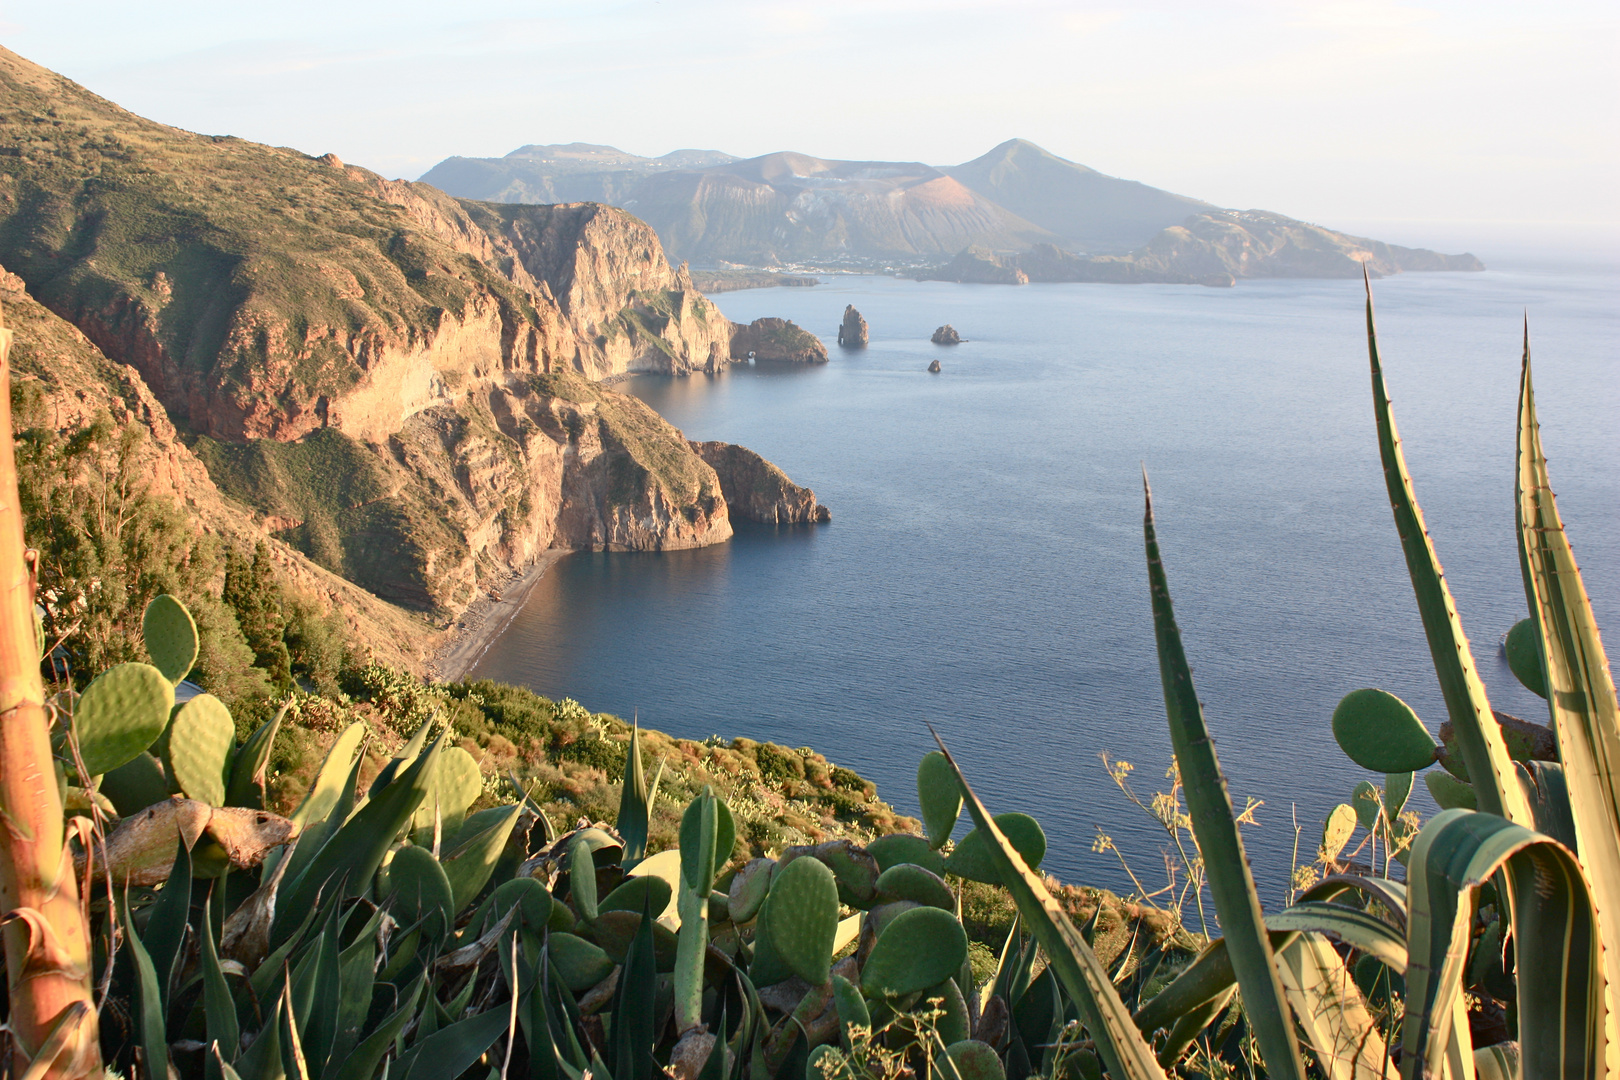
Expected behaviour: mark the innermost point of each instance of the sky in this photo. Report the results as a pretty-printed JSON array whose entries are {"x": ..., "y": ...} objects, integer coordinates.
[{"x": 1420, "y": 118}]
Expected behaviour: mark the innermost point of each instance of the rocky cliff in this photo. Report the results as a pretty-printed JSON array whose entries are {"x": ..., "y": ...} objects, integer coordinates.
[
  {"x": 780, "y": 341},
  {"x": 75, "y": 383},
  {"x": 756, "y": 490},
  {"x": 853, "y": 332},
  {"x": 393, "y": 382}
]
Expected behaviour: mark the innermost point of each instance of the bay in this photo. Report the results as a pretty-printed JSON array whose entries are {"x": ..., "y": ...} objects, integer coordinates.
[{"x": 983, "y": 571}]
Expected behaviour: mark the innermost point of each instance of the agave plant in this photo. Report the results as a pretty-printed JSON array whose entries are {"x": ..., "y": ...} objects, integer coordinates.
[{"x": 1303, "y": 973}]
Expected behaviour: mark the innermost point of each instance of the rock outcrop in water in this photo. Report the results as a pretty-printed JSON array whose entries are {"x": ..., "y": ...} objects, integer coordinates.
[
  {"x": 756, "y": 490},
  {"x": 776, "y": 341},
  {"x": 852, "y": 332},
  {"x": 946, "y": 335},
  {"x": 934, "y": 368}
]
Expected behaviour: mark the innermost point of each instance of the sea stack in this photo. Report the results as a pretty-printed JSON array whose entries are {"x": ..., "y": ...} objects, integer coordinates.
[
  {"x": 946, "y": 335},
  {"x": 852, "y": 333},
  {"x": 934, "y": 367},
  {"x": 776, "y": 340}
]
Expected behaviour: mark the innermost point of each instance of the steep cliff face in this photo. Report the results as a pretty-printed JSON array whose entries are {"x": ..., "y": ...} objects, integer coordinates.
[
  {"x": 383, "y": 374},
  {"x": 756, "y": 490},
  {"x": 77, "y": 383},
  {"x": 853, "y": 332}
]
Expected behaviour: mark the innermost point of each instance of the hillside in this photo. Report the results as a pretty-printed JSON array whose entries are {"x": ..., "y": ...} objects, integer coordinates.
[
  {"x": 1088, "y": 210},
  {"x": 391, "y": 381},
  {"x": 1215, "y": 247},
  {"x": 558, "y": 173}
]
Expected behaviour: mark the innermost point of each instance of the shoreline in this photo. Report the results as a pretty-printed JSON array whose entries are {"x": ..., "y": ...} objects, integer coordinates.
[{"x": 485, "y": 619}]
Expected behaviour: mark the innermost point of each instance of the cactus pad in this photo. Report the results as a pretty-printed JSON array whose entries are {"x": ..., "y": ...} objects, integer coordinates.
[
  {"x": 171, "y": 637},
  {"x": 198, "y": 749},
  {"x": 953, "y": 1020},
  {"x": 900, "y": 848},
  {"x": 418, "y": 890},
  {"x": 975, "y": 1061},
  {"x": 940, "y": 797},
  {"x": 919, "y": 948},
  {"x": 804, "y": 918},
  {"x": 1397, "y": 789},
  {"x": 1449, "y": 793},
  {"x": 120, "y": 714},
  {"x": 1380, "y": 732},
  {"x": 1524, "y": 657},
  {"x": 852, "y": 1011},
  {"x": 749, "y": 889},
  {"x": 909, "y": 882},
  {"x": 135, "y": 785},
  {"x": 528, "y": 896},
  {"x": 1368, "y": 804},
  {"x": 638, "y": 894},
  {"x": 971, "y": 859},
  {"x": 580, "y": 964},
  {"x": 1341, "y": 822}
]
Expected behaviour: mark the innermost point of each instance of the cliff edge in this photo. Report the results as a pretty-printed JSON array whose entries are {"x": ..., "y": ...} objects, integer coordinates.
[{"x": 756, "y": 490}]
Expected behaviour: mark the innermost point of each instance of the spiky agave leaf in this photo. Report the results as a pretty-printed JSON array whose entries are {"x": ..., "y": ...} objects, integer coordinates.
[
  {"x": 1237, "y": 901},
  {"x": 1581, "y": 698},
  {"x": 1478, "y": 732}
]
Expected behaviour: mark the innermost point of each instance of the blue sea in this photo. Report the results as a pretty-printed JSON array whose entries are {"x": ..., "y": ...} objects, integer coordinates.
[{"x": 984, "y": 572}]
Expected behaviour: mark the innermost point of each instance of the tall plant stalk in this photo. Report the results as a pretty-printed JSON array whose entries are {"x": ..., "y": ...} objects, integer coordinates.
[{"x": 47, "y": 939}]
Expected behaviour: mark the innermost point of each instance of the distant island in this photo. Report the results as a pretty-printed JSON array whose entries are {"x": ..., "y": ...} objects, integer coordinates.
[{"x": 1016, "y": 214}]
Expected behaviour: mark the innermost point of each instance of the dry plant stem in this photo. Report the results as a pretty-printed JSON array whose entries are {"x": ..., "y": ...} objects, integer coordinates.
[{"x": 47, "y": 936}]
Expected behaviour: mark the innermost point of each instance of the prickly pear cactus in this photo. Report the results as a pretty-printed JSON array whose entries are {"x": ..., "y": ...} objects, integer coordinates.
[
  {"x": 940, "y": 796},
  {"x": 918, "y": 948},
  {"x": 1380, "y": 732},
  {"x": 1449, "y": 793},
  {"x": 171, "y": 637},
  {"x": 198, "y": 749},
  {"x": 804, "y": 918},
  {"x": 971, "y": 859},
  {"x": 1524, "y": 657},
  {"x": 121, "y": 714},
  {"x": 1336, "y": 831},
  {"x": 418, "y": 890}
]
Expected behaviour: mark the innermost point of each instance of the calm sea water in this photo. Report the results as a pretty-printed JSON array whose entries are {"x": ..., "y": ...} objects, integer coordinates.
[{"x": 984, "y": 572}]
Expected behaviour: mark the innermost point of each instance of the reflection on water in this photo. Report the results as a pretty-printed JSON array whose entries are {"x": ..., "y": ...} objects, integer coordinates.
[{"x": 983, "y": 570}]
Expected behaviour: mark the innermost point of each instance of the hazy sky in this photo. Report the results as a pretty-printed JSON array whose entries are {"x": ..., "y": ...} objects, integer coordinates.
[{"x": 1440, "y": 112}]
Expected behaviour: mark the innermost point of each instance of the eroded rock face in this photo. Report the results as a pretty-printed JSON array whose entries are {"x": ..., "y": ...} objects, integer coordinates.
[
  {"x": 756, "y": 490},
  {"x": 946, "y": 335},
  {"x": 776, "y": 341},
  {"x": 852, "y": 332}
]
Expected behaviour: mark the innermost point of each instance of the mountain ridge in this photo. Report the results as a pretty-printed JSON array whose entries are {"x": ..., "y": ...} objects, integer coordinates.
[{"x": 1015, "y": 201}]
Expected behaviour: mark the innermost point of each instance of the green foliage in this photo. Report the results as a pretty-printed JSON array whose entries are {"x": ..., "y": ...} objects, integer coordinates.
[
  {"x": 1380, "y": 732},
  {"x": 120, "y": 714}
]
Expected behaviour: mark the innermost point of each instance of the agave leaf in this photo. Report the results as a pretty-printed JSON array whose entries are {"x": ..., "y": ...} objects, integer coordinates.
[
  {"x": 148, "y": 998},
  {"x": 452, "y": 1050},
  {"x": 1581, "y": 698},
  {"x": 1476, "y": 728},
  {"x": 1237, "y": 902},
  {"x": 1123, "y": 1050},
  {"x": 1191, "y": 1024},
  {"x": 324, "y": 793},
  {"x": 635, "y": 1008},
  {"x": 635, "y": 806},
  {"x": 246, "y": 787},
  {"x": 166, "y": 922},
  {"x": 219, "y": 1009},
  {"x": 1560, "y": 978},
  {"x": 1332, "y": 1013},
  {"x": 356, "y": 850},
  {"x": 1366, "y": 933}
]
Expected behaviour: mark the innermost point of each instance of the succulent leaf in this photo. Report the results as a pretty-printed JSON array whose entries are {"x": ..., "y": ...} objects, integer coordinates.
[
  {"x": 940, "y": 797},
  {"x": 198, "y": 750},
  {"x": 1524, "y": 657},
  {"x": 120, "y": 714},
  {"x": 897, "y": 848},
  {"x": 1380, "y": 732},
  {"x": 972, "y": 860},
  {"x": 804, "y": 918},
  {"x": 171, "y": 637},
  {"x": 919, "y": 948}
]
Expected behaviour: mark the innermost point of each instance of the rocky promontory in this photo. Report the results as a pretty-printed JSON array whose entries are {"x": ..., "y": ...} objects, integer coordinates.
[
  {"x": 776, "y": 341},
  {"x": 946, "y": 335},
  {"x": 756, "y": 490},
  {"x": 1216, "y": 247},
  {"x": 852, "y": 332}
]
